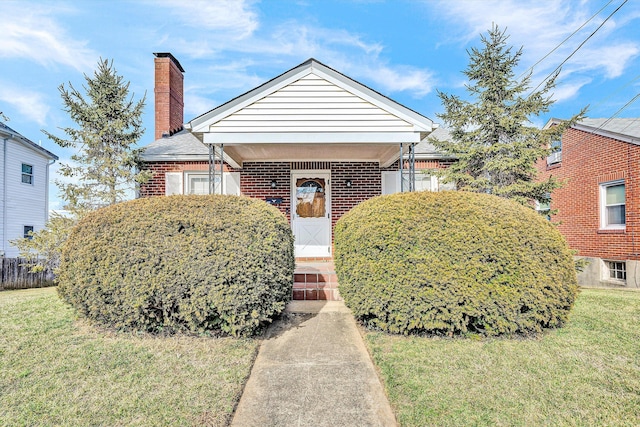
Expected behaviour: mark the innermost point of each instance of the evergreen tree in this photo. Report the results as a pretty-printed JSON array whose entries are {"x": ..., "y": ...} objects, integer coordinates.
[
  {"x": 493, "y": 138},
  {"x": 104, "y": 164},
  {"x": 108, "y": 126}
]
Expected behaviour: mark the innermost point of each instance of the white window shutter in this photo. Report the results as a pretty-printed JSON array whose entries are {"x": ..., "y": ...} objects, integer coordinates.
[
  {"x": 172, "y": 183},
  {"x": 390, "y": 182},
  {"x": 232, "y": 183}
]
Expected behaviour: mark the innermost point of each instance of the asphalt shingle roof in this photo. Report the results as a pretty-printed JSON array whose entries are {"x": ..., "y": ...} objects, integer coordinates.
[
  {"x": 629, "y": 127},
  {"x": 181, "y": 144}
]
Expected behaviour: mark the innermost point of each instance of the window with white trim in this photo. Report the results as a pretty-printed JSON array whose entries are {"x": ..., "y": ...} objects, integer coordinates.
[
  {"x": 198, "y": 183},
  {"x": 612, "y": 205},
  {"x": 617, "y": 270},
  {"x": 27, "y": 174},
  {"x": 544, "y": 208},
  {"x": 556, "y": 152}
]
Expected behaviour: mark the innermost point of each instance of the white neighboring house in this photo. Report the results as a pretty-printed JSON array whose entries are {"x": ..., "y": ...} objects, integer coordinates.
[{"x": 24, "y": 187}]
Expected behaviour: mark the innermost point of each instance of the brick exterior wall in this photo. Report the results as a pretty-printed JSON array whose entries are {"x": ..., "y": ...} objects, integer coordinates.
[
  {"x": 169, "y": 96},
  {"x": 255, "y": 182},
  {"x": 256, "y": 177},
  {"x": 589, "y": 160},
  {"x": 366, "y": 182}
]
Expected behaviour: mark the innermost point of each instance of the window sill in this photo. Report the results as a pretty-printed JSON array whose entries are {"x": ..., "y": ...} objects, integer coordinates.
[
  {"x": 612, "y": 282},
  {"x": 553, "y": 166},
  {"x": 612, "y": 231}
]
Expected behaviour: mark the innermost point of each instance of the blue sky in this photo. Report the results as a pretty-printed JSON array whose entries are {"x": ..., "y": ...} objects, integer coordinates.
[{"x": 403, "y": 49}]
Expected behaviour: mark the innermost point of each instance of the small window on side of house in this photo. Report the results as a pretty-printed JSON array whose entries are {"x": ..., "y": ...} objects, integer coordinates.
[
  {"x": 27, "y": 174},
  {"x": 617, "y": 270},
  {"x": 556, "y": 152},
  {"x": 28, "y": 229},
  {"x": 544, "y": 208},
  {"x": 612, "y": 205}
]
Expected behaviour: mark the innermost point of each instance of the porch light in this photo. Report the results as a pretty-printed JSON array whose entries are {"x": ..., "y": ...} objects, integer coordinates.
[
  {"x": 348, "y": 183},
  {"x": 274, "y": 184}
]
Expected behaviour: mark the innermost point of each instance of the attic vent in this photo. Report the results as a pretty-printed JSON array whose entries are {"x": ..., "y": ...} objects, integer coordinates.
[{"x": 310, "y": 165}]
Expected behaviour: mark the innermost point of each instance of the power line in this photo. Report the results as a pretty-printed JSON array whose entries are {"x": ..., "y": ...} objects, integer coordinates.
[
  {"x": 612, "y": 94},
  {"x": 557, "y": 69},
  {"x": 620, "y": 110},
  {"x": 565, "y": 40}
]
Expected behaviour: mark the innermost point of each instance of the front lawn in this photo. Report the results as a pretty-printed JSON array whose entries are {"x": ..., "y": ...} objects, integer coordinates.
[
  {"x": 56, "y": 371},
  {"x": 585, "y": 374}
]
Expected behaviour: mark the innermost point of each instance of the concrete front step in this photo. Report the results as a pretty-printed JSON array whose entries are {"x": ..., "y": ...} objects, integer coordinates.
[{"x": 315, "y": 281}]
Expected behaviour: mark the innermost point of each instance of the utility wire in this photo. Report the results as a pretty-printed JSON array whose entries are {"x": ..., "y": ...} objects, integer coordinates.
[
  {"x": 612, "y": 94},
  {"x": 557, "y": 69},
  {"x": 620, "y": 110},
  {"x": 565, "y": 40}
]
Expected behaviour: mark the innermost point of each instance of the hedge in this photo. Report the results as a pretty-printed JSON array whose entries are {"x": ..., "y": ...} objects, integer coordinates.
[
  {"x": 453, "y": 263},
  {"x": 180, "y": 263}
]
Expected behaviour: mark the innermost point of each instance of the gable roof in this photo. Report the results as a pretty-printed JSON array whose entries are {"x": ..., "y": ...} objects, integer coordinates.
[
  {"x": 417, "y": 122},
  {"x": 17, "y": 136},
  {"x": 627, "y": 130}
]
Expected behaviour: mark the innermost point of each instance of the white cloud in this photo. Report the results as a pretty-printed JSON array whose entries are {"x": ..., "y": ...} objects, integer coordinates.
[
  {"x": 234, "y": 17},
  {"x": 613, "y": 59},
  {"x": 29, "y": 104},
  {"x": 541, "y": 26},
  {"x": 195, "y": 105},
  {"x": 31, "y": 33},
  {"x": 401, "y": 78},
  {"x": 569, "y": 89}
]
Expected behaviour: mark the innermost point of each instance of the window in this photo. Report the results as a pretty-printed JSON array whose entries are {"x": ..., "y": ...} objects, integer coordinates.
[
  {"x": 617, "y": 270},
  {"x": 28, "y": 229},
  {"x": 612, "y": 205},
  {"x": 423, "y": 181},
  {"x": 198, "y": 183},
  {"x": 556, "y": 152},
  {"x": 544, "y": 209},
  {"x": 27, "y": 173}
]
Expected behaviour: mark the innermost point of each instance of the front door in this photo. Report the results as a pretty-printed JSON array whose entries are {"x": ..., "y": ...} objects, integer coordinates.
[{"x": 311, "y": 213}]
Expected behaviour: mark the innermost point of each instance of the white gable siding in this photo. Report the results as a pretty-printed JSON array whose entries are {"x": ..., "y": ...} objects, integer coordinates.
[
  {"x": 311, "y": 104},
  {"x": 26, "y": 203}
]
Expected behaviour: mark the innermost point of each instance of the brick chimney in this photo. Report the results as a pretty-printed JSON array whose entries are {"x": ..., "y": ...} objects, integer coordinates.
[{"x": 169, "y": 94}]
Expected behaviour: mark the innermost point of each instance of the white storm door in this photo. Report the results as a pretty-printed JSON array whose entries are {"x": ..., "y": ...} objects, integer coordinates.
[{"x": 311, "y": 213}]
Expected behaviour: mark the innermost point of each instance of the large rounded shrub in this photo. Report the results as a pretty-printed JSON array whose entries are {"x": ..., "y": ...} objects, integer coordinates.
[
  {"x": 180, "y": 263},
  {"x": 453, "y": 262}
]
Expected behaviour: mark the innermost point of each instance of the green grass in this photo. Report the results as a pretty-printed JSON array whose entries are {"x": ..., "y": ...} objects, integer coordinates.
[
  {"x": 55, "y": 370},
  {"x": 585, "y": 374}
]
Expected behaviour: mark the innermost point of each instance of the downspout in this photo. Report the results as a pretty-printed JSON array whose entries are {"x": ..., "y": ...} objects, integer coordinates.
[
  {"x": 46, "y": 192},
  {"x": 4, "y": 197}
]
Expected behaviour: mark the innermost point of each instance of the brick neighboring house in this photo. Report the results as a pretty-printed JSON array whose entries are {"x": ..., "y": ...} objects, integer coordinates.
[
  {"x": 311, "y": 141},
  {"x": 598, "y": 205}
]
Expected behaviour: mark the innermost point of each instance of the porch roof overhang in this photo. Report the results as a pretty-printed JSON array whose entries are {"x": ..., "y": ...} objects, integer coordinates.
[{"x": 380, "y": 147}]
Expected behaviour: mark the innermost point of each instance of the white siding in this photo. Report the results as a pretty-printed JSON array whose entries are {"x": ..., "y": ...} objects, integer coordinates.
[
  {"x": 312, "y": 104},
  {"x": 26, "y": 203}
]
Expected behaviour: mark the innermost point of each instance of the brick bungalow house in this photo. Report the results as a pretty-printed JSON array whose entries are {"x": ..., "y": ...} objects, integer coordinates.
[
  {"x": 311, "y": 141},
  {"x": 598, "y": 159}
]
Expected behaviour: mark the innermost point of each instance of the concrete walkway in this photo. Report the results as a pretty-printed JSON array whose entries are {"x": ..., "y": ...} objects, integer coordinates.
[{"x": 313, "y": 370}]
